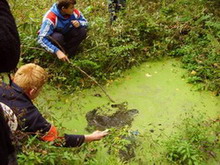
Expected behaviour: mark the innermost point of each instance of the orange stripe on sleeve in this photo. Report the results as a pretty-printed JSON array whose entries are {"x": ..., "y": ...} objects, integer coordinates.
[{"x": 51, "y": 135}]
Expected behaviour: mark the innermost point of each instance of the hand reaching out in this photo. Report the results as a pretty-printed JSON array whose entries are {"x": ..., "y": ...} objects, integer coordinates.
[
  {"x": 62, "y": 56},
  {"x": 97, "y": 135}
]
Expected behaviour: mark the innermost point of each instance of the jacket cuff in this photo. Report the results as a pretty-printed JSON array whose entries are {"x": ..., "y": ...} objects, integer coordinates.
[
  {"x": 55, "y": 50},
  {"x": 51, "y": 135},
  {"x": 73, "y": 140}
]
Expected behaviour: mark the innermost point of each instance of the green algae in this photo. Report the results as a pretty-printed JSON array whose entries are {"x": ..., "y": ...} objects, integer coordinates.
[{"x": 157, "y": 89}]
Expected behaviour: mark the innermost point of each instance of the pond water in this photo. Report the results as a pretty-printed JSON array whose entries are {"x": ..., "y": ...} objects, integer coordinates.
[{"x": 157, "y": 89}]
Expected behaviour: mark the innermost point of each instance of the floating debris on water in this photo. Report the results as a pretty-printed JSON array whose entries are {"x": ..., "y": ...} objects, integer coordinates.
[{"x": 112, "y": 115}]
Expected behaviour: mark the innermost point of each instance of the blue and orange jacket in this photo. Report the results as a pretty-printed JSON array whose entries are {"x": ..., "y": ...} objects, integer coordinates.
[
  {"x": 53, "y": 21},
  {"x": 31, "y": 120}
]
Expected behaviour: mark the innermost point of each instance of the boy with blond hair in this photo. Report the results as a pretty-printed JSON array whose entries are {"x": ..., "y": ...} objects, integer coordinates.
[
  {"x": 26, "y": 85},
  {"x": 65, "y": 25}
]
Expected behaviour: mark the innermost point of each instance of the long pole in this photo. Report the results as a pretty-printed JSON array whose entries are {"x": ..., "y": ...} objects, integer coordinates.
[{"x": 82, "y": 71}]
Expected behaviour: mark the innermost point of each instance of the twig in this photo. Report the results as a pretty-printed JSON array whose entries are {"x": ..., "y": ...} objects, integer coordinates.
[
  {"x": 35, "y": 48},
  {"x": 82, "y": 71}
]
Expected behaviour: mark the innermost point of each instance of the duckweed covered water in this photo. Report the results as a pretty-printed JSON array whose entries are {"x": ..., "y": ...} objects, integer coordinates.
[{"x": 156, "y": 89}]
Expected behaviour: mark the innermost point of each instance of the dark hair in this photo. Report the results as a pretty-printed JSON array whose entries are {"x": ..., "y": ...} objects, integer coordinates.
[{"x": 65, "y": 3}]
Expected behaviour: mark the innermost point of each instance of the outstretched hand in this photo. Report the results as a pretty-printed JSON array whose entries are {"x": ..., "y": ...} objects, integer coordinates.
[
  {"x": 62, "y": 56},
  {"x": 97, "y": 135}
]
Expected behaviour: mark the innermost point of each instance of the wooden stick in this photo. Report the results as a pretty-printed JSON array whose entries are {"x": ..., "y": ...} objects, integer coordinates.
[{"x": 82, "y": 71}]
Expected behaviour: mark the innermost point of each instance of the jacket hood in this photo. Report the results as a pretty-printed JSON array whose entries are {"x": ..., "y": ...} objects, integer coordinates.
[
  {"x": 56, "y": 11},
  {"x": 9, "y": 39}
]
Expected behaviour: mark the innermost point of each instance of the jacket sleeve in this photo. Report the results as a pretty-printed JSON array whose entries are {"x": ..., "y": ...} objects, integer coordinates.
[
  {"x": 46, "y": 30},
  {"x": 73, "y": 140},
  {"x": 68, "y": 140},
  {"x": 31, "y": 120},
  {"x": 35, "y": 122},
  {"x": 83, "y": 22}
]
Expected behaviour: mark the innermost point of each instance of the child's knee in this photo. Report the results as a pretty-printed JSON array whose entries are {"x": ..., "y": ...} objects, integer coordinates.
[
  {"x": 83, "y": 32},
  {"x": 58, "y": 37}
]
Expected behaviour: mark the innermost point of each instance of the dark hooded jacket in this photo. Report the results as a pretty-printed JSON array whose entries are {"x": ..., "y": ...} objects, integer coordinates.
[
  {"x": 9, "y": 39},
  {"x": 31, "y": 120},
  {"x": 9, "y": 57}
]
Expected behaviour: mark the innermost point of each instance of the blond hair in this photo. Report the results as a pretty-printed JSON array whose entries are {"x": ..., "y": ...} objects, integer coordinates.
[{"x": 30, "y": 76}]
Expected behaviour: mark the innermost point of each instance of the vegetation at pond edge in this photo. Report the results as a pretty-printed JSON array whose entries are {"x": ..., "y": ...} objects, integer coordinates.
[
  {"x": 197, "y": 141},
  {"x": 144, "y": 30}
]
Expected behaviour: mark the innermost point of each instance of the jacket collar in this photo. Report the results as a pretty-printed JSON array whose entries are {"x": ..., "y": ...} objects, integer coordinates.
[{"x": 17, "y": 88}]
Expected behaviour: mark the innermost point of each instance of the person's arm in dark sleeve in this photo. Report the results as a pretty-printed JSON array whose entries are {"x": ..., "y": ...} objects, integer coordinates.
[
  {"x": 74, "y": 140},
  {"x": 70, "y": 140},
  {"x": 35, "y": 122},
  {"x": 77, "y": 140}
]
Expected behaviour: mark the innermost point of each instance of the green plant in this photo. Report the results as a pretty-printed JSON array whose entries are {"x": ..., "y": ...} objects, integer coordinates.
[
  {"x": 182, "y": 28},
  {"x": 195, "y": 142}
]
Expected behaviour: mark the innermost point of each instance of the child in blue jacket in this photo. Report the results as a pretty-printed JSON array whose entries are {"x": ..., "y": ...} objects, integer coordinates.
[{"x": 64, "y": 24}]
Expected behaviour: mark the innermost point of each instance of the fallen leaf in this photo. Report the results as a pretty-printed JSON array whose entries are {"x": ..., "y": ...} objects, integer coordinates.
[
  {"x": 193, "y": 72},
  {"x": 148, "y": 75}
]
